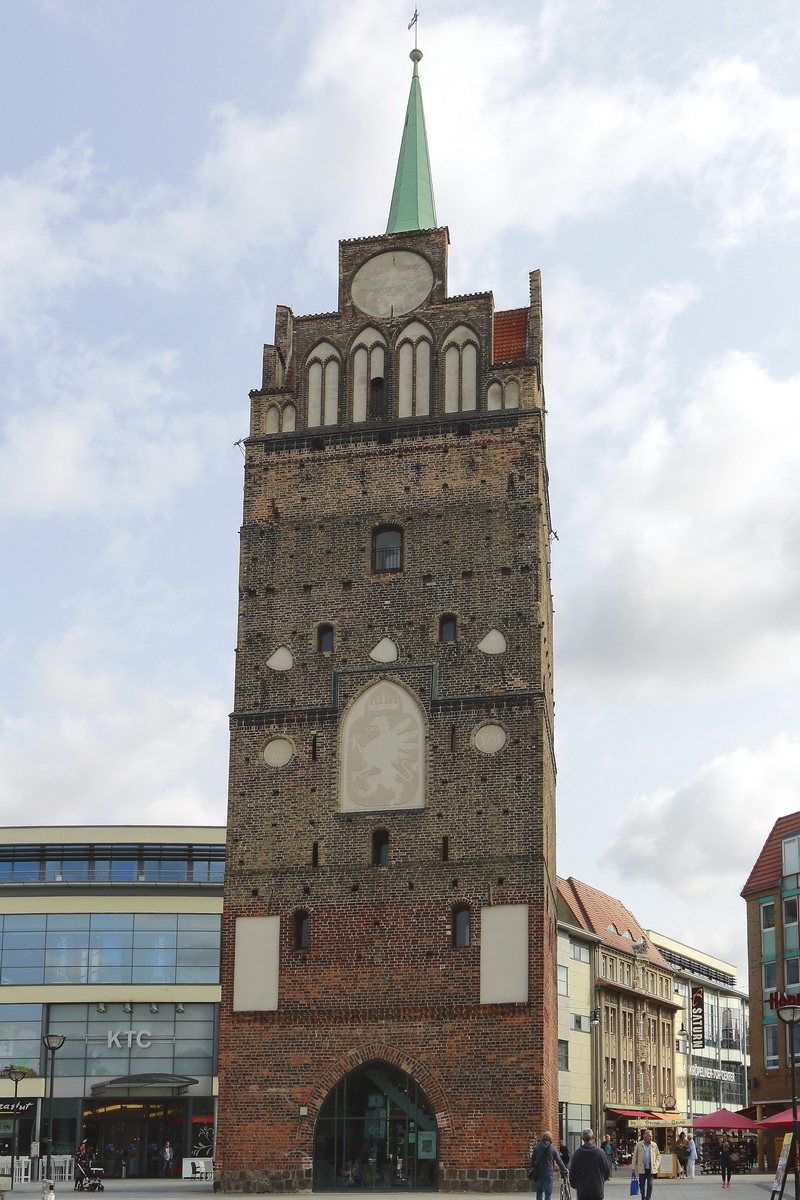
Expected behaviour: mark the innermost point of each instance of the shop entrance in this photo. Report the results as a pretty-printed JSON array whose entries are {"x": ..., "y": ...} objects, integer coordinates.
[
  {"x": 376, "y": 1131},
  {"x": 126, "y": 1137}
]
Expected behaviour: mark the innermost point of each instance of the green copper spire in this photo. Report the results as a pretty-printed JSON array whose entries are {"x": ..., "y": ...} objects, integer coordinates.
[{"x": 412, "y": 198}]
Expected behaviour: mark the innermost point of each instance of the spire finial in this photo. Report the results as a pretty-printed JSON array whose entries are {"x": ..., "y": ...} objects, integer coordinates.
[{"x": 412, "y": 204}]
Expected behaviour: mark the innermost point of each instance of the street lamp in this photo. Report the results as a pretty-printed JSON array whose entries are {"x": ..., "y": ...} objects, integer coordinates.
[
  {"x": 683, "y": 1032},
  {"x": 790, "y": 1015},
  {"x": 53, "y": 1042},
  {"x": 16, "y": 1074}
]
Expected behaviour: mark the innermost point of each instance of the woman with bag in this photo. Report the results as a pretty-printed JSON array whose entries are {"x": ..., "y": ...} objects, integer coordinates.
[
  {"x": 725, "y": 1162},
  {"x": 544, "y": 1159}
]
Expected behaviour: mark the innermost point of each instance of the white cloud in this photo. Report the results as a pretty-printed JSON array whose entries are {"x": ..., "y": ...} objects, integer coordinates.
[
  {"x": 691, "y": 542},
  {"x": 98, "y": 749},
  {"x": 94, "y": 432}
]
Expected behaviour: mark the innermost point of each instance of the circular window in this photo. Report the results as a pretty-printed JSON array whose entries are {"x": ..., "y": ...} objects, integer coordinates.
[
  {"x": 278, "y": 751},
  {"x": 489, "y": 739}
]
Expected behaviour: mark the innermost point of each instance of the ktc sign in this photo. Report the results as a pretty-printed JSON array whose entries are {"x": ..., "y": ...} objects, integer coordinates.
[
  {"x": 140, "y": 1036},
  {"x": 698, "y": 1019}
]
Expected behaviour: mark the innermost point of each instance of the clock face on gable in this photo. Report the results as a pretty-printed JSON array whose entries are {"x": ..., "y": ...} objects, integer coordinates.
[{"x": 392, "y": 284}]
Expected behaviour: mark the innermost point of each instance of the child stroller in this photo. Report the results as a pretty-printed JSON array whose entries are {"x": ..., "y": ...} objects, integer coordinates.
[{"x": 88, "y": 1177}]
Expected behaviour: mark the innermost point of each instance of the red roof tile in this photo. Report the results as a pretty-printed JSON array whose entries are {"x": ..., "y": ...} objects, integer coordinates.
[
  {"x": 768, "y": 868},
  {"x": 595, "y": 911},
  {"x": 511, "y": 335}
]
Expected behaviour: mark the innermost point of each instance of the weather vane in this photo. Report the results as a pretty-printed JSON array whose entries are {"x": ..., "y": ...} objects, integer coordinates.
[{"x": 413, "y": 22}]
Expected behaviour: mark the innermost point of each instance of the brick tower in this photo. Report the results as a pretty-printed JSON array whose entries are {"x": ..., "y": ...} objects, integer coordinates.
[{"x": 389, "y": 999}]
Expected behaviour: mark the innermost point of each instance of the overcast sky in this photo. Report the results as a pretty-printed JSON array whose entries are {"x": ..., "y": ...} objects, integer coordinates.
[{"x": 172, "y": 169}]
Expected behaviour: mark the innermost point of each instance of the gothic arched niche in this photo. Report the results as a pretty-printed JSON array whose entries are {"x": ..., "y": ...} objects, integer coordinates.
[{"x": 382, "y": 751}]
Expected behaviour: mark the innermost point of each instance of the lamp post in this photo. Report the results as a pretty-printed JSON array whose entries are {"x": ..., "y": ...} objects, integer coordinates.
[
  {"x": 684, "y": 1033},
  {"x": 790, "y": 1015},
  {"x": 16, "y": 1074},
  {"x": 53, "y": 1042},
  {"x": 597, "y": 1077}
]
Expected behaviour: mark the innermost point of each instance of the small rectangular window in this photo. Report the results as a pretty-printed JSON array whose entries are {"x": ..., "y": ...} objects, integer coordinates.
[
  {"x": 768, "y": 972},
  {"x": 563, "y": 981},
  {"x": 461, "y": 923},
  {"x": 792, "y": 968},
  {"x": 563, "y": 1055},
  {"x": 770, "y": 1046},
  {"x": 578, "y": 951},
  {"x": 768, "y": 916},
  {"x": 790, "y": 911},
  {"x": 579, "y": 1022}
]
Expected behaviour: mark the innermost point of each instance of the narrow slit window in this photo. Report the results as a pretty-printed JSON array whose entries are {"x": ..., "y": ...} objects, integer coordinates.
[
  {"x": 325, "y": 639},
  {"x": 461, "y": 924},
  {"x": 301, "y": 930},
  {"x": 315, "y": 854},
  {"x": 380, "y": 848},
  {"x": 445, "y": 848},
  {"x": 447, "y": 628}
]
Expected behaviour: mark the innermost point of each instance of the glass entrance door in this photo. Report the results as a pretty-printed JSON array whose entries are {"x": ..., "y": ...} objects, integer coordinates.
[
  {"x": 376, "y": 1130},
  {"x": 126, "y": 1138}
]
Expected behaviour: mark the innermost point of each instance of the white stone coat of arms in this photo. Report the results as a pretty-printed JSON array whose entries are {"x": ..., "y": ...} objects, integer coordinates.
[{"x": 383, "y": 751}]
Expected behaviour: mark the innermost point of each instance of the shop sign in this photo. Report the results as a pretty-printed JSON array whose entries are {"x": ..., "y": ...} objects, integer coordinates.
[
  {"x": 698, "y": 1018},
  {"x": 118, "y": 1039},
  {"x": 711, "y": 1073},
  {"x": 15, "y": 1108},
  {"x": 783, "y": 999}
]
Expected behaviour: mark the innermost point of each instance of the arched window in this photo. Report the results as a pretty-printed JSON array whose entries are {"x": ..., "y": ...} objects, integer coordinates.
[
  {"x": 511, "y": 394},
  {"x": 447, "y": 628},
  {"x": 273, "y": 420},
  {"x": 387, "y": 549},
  {"x": 301, "y": 930},
  {"x": 460, "y": 925},
  {"x": 460, "y": 370},
  {"x": 380, "y": 847},
  {"x": 414, "y": 371},
  {"x": 369, "y": 367},
  {"x": 323, "y": 385},
  {"x": 289, "y": 422},
  {"x": 325, "y": 639}
]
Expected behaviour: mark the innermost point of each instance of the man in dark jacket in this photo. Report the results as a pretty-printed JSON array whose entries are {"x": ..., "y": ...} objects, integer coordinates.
[
  {"x": 544, "y": 1160},
  {"x": 589, "y": 1169}
]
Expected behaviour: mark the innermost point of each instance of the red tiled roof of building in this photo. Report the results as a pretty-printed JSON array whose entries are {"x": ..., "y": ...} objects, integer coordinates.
[
  {"x": 768, "y": 868},
  {"x": 511, "y": 335},
  {"x": 595, "y": 911}
]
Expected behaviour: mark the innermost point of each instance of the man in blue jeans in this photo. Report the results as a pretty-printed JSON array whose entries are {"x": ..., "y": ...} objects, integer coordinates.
[
  {"x": 646, "y": 1158},
  {"x": 544, "y": 1160}
]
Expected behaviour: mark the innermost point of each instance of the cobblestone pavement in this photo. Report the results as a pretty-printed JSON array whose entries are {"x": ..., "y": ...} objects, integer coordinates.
[{"x": 704, "y": 1187}]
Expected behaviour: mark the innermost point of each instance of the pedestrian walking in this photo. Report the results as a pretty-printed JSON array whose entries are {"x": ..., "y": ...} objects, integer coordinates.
[
  {"x": 544, "y": 1160},
  {"x": 725, "y": 1162},
  {"x": 691, "y": 1157},
  {"x": 645, "y": 1163},
  {"x": 589, "y": 1168}
]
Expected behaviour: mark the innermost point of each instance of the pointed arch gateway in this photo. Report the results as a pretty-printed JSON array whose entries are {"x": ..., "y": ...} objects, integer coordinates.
[{"x": 376, "y": 1130}]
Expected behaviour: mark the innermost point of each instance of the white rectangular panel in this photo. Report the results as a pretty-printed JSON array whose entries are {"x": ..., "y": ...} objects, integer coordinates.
[
  {"x": 504, "y": 954},
  {"x": 255, "y": 967}
]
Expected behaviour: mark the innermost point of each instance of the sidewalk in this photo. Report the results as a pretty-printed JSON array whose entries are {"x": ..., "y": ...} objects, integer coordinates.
[{"x": 704, "y": 1187}]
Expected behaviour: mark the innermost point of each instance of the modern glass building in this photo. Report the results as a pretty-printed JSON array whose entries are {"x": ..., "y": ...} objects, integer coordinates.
[{"x": 109, "y": 936}]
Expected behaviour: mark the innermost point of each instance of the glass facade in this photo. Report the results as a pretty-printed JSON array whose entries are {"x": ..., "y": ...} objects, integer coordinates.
[
  {"x": 70, "y": 948},
  {"x": 110, "y": 863},
  {"x": 376, "y": 1130},
  {"x": 115, "y": 1043}
]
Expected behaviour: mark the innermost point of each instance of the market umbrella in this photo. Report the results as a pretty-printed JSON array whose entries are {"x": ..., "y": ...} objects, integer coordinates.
[
  {"x": 781, "y": 1118},
  {"x": 723, "y": 1118}
]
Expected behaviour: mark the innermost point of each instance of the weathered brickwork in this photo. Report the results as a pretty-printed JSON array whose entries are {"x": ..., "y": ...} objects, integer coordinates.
[{"x": 381, "y": 978}]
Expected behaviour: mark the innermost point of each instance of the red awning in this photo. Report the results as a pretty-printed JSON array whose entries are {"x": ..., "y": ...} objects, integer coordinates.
[{"x": 635, "y": 1113}]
